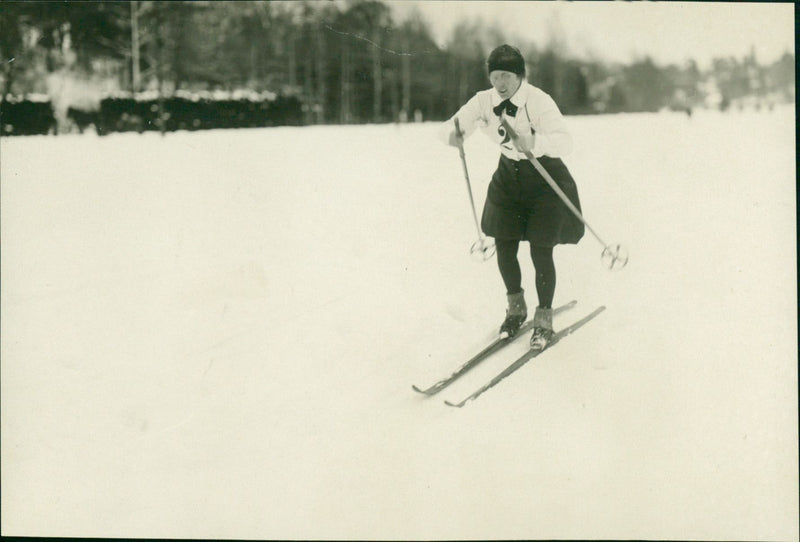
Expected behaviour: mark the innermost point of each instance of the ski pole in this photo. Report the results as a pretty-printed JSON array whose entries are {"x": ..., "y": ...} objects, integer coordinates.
[
  {"x": 615, "y": 256},
  {"x": 487, "y": 251}
]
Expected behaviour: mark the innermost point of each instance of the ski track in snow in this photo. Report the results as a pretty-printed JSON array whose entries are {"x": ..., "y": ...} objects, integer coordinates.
[{"x": 214, "y": 334}]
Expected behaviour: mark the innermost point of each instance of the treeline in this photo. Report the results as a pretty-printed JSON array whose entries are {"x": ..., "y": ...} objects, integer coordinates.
[{"x": 345, "y": 61}]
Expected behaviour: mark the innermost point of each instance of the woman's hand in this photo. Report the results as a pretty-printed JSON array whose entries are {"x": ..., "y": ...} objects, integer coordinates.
[
  {"x": 525, "y": 142},
  {"x": 456, "y": 138}
]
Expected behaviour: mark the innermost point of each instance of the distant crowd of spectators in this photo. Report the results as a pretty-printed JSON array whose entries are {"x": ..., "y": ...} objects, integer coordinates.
[{"x": 35, "y": 115}]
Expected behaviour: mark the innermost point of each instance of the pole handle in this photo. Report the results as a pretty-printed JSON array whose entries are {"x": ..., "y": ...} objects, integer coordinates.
[{"x": 460, "y": 142}]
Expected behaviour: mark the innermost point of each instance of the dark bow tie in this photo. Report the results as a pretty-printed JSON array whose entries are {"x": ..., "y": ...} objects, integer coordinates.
[{"x": 507, "y": 106}]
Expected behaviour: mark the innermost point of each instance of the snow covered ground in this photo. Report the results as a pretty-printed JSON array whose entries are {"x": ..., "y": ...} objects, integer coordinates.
[{"x": 215, "y": 334}]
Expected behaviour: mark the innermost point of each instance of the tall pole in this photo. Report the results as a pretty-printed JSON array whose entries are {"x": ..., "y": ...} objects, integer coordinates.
[
  {"x": 406, "y": 73},
  {"x": 321, "y": 72},
  {"x": 136, "y": 75},
  {"x": 377, "y": 79},
  {"x": 615, "y": 256},
  {"x": 486, "y": 249}
]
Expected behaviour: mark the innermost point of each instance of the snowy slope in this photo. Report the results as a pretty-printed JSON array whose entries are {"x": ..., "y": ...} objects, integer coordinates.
[{"x": 215, "y": 334}]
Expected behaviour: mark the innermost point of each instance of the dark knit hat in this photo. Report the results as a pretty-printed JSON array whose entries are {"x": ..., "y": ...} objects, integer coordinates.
[{"x": 506, "y": 58}]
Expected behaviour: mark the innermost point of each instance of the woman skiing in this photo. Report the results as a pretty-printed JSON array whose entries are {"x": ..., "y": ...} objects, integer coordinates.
[{"x": 520, "y": 205}]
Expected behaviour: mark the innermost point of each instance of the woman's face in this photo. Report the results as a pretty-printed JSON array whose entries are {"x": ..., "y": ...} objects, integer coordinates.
[{"x": 505, "y": 83}]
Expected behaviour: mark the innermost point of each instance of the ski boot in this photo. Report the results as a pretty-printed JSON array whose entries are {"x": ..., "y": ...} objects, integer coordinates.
[
  {"x": 542, "y": 328},
  {"x": 516, "y": 314}
]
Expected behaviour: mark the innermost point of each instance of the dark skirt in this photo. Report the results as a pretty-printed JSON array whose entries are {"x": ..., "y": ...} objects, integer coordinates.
[{"x": 521, "y": 205}]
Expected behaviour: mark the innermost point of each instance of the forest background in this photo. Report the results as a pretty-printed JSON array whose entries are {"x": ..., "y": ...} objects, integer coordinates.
[{"x": 347, "y": 61}]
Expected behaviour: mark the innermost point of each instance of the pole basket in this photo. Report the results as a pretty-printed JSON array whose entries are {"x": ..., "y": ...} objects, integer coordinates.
[
  {"x": 483, "y": 249},
  {"x": 615, "y": 256}
]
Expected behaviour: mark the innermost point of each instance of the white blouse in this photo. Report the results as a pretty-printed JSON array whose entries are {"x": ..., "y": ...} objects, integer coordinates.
[{"x": 535, "y": 109}]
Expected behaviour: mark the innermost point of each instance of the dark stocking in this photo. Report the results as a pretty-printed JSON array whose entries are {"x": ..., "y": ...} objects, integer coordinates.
[
  {"x": 545, "y": 274},
  {"x": 508, "y": 264}
]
